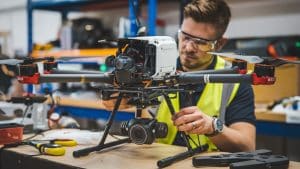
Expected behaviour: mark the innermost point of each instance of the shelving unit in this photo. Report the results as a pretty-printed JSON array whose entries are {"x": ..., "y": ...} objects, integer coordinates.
[
  {"x": 66, "y": 6},
  {"x": 75, "y": 53}
]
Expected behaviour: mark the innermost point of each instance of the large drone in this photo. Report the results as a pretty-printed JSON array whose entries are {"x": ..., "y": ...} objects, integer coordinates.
[{"x": 144, "y": 68}]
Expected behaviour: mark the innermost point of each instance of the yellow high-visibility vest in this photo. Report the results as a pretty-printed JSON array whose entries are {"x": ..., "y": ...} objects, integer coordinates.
[{"x": 209, "y": 103}]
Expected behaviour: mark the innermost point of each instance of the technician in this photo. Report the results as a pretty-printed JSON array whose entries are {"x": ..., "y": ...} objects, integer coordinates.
[{"x": 220, "y": 115}]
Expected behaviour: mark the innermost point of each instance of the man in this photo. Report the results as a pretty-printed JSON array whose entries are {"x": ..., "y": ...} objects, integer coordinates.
[{"x": 204, "y": 24}]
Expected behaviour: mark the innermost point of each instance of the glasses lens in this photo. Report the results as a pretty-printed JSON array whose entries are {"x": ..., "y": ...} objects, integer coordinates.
[
  {"x": 206, "y": 47},
  {"x": 201, "y": 44}
]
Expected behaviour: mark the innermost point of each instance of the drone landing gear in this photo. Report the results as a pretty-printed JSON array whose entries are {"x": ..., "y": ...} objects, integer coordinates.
[
  {"x": 102, "y": 145},
  {"x": 161, "y": 163},
  {"x": 184, "y": 155}
]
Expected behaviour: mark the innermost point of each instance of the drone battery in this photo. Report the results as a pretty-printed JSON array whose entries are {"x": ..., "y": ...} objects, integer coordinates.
[{"x": 10, "y": 133}]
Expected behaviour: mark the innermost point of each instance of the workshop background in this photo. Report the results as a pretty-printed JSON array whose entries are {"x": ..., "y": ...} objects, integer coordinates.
[{"x": 255, "y": 24}]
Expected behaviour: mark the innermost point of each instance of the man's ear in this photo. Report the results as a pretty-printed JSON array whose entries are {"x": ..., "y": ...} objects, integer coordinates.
[{"x": 220, "y": 44}]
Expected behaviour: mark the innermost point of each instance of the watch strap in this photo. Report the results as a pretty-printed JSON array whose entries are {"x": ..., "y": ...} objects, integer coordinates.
[{"x": 215, "y": 132}]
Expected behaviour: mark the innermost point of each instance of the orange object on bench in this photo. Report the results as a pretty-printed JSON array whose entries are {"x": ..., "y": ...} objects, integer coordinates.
[{"x": 10, "y": 133}]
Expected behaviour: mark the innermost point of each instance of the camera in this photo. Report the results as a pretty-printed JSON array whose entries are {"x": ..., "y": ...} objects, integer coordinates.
[
  {"x": 143, "y": 130},
  {"x": 141, "y": 59}
]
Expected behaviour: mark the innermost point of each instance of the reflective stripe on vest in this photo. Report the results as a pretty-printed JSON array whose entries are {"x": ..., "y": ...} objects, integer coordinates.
[{"x": 209, "y": 103}]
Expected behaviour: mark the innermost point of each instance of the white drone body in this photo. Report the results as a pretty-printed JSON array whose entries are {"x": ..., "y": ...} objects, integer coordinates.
[{"x": 166, "y": 54}]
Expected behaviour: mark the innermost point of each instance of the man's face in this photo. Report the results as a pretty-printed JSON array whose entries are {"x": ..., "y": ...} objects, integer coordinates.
[{"x": 195, "y": 39}]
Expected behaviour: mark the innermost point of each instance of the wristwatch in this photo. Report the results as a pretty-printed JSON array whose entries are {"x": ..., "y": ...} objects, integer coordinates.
[{"x": 217, "y": 127}]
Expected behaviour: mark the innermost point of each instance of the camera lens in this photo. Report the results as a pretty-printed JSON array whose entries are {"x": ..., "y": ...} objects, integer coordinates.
[
  {"x": 161, "y": 130},
  {"x": 139, "y": 135},
  {"x": 110, "y": 61},
  {"x": 142, "y": 131},
  {"x": 124, "y": 63}
]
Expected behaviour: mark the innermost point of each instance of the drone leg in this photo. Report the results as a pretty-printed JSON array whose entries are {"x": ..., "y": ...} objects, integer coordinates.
[
  {"x": 86, "y": 151},
  {"x": 101, "y": 144},
  {"x": 111, "y": 118},
  {"x": 181, "y": 156},
  {"x": 183, "y": 135}
]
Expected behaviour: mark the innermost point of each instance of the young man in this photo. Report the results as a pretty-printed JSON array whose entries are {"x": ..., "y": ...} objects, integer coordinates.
[{"x": 204, "y": 24}]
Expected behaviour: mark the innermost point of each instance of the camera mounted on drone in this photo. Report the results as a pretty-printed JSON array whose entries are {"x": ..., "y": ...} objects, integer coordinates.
[{"x": 143, "y": 59}]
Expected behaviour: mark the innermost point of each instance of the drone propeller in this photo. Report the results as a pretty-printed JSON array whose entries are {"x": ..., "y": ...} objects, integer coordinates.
[
  {"x": 257, "y": 59},
  {"x": 24, "y": 60},
  {"x": 248, "y": 58},
  {"x": 10, "y": 61},
  {"x": 280, "y": 61},
  {"x": 108, "y": 42}
]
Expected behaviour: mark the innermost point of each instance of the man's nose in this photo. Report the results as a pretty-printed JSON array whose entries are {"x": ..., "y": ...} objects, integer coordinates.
[{"x": 190, "y": 46}]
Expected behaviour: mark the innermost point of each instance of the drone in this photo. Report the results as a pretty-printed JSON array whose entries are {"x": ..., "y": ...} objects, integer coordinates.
[{"x": 144, "y": 69}]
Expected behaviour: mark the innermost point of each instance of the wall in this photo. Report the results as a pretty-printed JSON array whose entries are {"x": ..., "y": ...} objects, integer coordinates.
[
  {"x": 250, "y": 18},
  {"x": 264, "y": 18},
  {"x": 13, "y": 19}
]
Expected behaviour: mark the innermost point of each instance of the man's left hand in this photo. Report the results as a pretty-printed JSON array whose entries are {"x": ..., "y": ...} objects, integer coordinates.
[{"x": 193, "y": 121}]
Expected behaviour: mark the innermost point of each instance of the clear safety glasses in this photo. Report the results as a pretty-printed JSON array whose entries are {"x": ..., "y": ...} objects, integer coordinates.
[{"x": 201, "y": 43}]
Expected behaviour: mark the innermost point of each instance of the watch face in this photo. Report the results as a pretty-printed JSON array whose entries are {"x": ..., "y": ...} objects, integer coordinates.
[{"x": 219, "y": 125}]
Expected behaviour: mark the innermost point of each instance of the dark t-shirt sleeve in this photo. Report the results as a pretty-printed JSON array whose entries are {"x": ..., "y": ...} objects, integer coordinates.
[{"x": 241, "y": 109}]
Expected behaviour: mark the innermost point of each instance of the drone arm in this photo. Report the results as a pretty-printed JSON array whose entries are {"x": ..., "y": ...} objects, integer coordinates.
[
  {"x": 56, "y": 71},
  {"x": 221, "y": 71},
  {"x": 83, "y": 78},
  {"x": 63, "y": 78},
  {"x": 213, "y": 78}
]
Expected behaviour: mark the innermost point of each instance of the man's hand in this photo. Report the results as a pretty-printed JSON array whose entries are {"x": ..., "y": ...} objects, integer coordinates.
[
  {"x": 193, "y": 121},
  {"x": 239, "y": 136}
]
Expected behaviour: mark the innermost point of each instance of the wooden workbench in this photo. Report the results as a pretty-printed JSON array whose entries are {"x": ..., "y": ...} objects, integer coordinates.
[
  {"x": 261, "y": 113},
  {"x": 267, "y": 123},
  {"x": 124, "y": 156},
  {"x": 270, "y": 116}
]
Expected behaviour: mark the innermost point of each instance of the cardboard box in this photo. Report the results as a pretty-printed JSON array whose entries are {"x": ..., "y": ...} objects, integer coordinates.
[{"x": 287, "y": 84}]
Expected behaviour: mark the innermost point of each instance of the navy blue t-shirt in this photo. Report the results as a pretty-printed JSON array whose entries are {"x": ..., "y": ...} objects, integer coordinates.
[{"x": 241, "y": 109}]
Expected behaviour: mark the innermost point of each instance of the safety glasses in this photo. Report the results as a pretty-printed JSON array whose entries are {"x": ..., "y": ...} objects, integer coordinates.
[{"x": 201, "y": 43}]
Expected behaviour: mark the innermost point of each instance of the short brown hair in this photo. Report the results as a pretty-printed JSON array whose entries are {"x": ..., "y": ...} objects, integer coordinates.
[{"x": 215, "y": 12}]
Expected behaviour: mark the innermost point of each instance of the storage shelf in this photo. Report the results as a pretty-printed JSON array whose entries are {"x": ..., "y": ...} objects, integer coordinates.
[
  {"x": 76, "y": 52},
  {"x": 65, "y": 6},
  {"x": 76, "y": 5}
]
